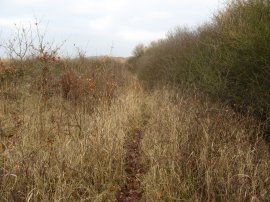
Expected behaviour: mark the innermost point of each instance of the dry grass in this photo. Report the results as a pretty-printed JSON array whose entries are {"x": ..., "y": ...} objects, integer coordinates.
[
  {"x": 200, "y": 151},
  {"x": 54, "y": 148}
]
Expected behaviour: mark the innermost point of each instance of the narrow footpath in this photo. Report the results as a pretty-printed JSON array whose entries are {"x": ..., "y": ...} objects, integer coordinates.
[{"x": 132, "y": 190}]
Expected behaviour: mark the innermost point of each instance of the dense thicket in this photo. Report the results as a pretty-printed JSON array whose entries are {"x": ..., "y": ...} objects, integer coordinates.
[{"x": 228, "y": 58}]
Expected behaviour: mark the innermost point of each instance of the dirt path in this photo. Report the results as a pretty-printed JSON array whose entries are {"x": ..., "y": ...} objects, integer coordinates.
[{"x": 132, "y": 190}]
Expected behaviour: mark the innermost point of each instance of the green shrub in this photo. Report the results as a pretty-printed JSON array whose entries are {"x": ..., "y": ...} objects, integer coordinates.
[{"x": 227, "y": 58}]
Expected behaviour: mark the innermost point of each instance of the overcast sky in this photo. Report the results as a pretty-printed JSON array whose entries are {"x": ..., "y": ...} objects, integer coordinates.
[{"x": 96, "y": 25}]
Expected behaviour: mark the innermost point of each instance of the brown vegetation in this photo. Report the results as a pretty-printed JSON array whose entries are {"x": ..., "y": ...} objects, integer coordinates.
[
  {"x": 55, "y": 147},
  {"x": 69, "y": 127}
]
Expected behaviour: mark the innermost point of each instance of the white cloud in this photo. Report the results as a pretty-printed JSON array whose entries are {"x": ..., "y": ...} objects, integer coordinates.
[
  {"x": 104, "y": 21},
  {"x": 140, "y": 35},
  {"x": 151, "y": 17},
  {"x": 27, "y": 2},
  {"x": 5, "y": 22},
  {"x": 10, "y": 22},
  {"x": 101, "y": 24},
  {"x": 159, "y": 15},
  {"x": 93, "y": 7}
]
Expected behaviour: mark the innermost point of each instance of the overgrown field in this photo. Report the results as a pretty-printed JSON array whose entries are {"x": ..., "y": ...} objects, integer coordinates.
[
  {"x": 65, "y": 123},
  {"x": 184, "y": 119},
  {"x": 62, "y": 130}
]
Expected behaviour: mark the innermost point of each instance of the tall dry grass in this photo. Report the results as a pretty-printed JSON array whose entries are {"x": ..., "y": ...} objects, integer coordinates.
[
  {"x": 52, "y": 147},
  {"x": 66, "y": 148},
  {"x": 197, "y": 150}
]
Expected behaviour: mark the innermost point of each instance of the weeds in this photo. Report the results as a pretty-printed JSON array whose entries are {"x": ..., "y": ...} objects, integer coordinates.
[
  {"x": 70, "y": 146},
  {"x": 202, "y": 151},
  {"x": 64, "y": 122},
  {"x": 67, "y": 146}
]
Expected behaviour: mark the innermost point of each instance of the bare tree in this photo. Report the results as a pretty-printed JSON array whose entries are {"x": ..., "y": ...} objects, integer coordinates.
[
  {"x": 30, "y": 41},
  {"x": 20, "y": 43},
  {"x": 1, "y": 45}
]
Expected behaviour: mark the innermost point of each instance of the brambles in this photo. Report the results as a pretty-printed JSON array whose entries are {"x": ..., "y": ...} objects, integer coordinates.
[
  {"x": 74, "y": 86},
  {"x": 98, "y": 83},
  {"x": 46, "y": 57},
  {"x": 9, "y": 72},
  {"x": 6, "y": 71}
]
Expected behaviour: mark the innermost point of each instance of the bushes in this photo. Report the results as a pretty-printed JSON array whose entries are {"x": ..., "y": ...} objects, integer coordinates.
[
  {"x": 8, "y": 71},
  {"x": 247, "y": 40},
  {"x": 227, "y": 58},
  {"x": 87, "y": 82}
]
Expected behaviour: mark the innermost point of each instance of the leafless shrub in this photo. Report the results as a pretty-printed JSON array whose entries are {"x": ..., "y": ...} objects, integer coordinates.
[{"x": 29, "y": 41}]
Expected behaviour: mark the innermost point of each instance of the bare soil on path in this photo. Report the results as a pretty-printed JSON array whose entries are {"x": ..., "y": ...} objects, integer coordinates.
[{"x": 132, "y": 190}]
